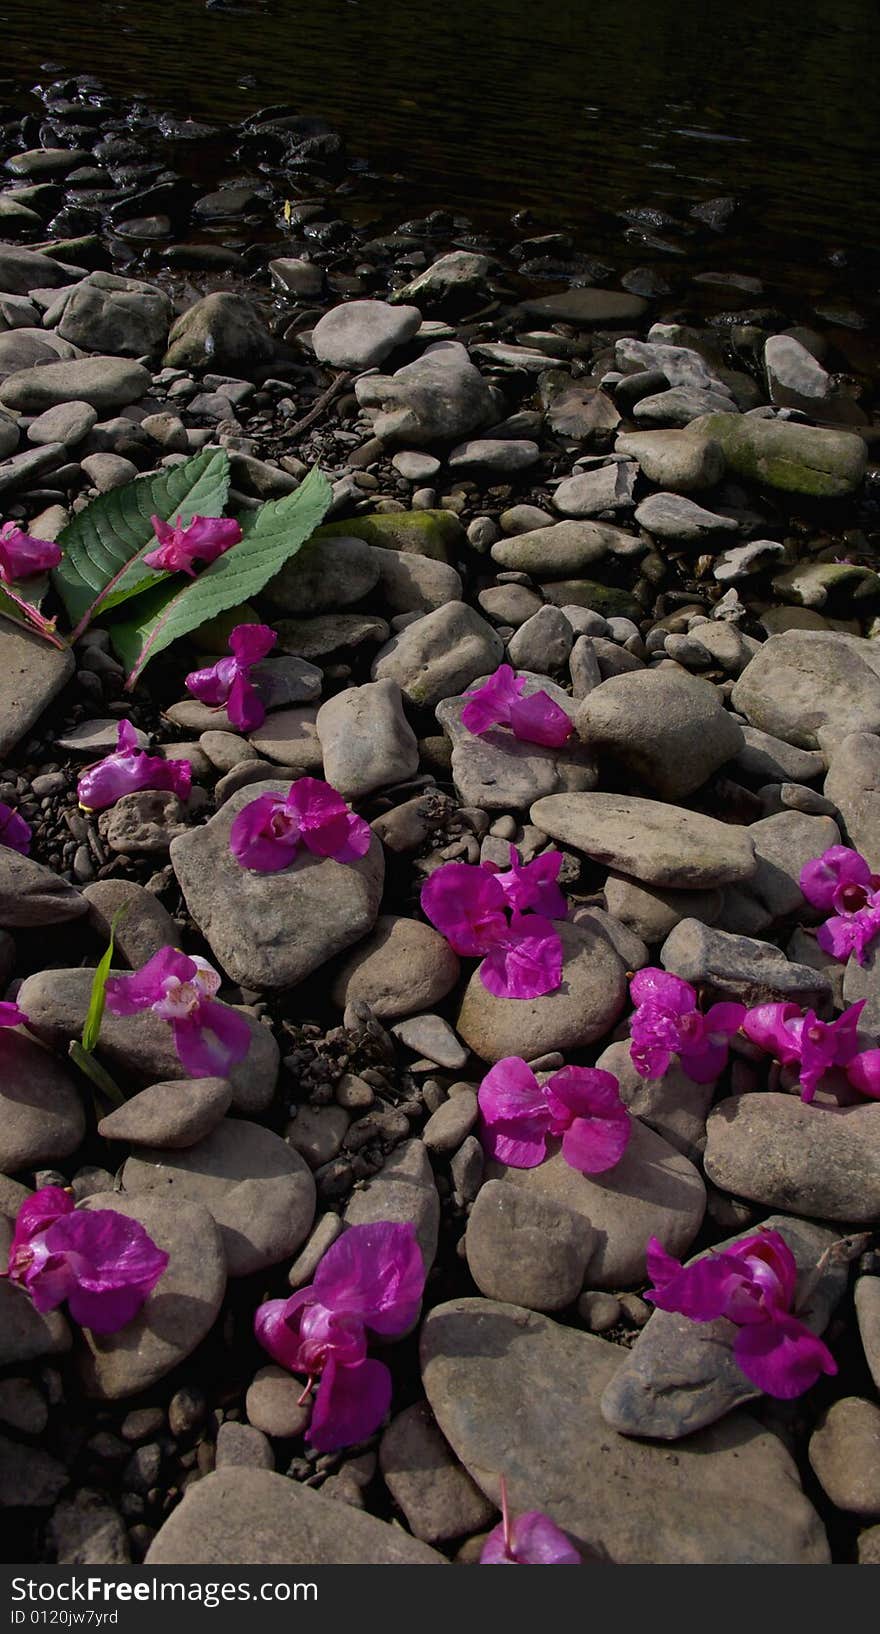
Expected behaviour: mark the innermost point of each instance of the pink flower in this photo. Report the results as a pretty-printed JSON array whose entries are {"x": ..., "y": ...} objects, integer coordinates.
[
  {"x": 499, "y": 702},
  {"x": 582, "y": 1104},
  {"x": 753, "y": 1284},
  {"x": 127, "y": 770},
  {"x": 203, "y": 540},
  {"x": 22, "y": 556},
  {"x": 267, "y": 834},
  {"x": 863, "y": 1072},
  {"x": 667, "y": 1022},
  {"x": 210, "y": 1038},
  {"x": 840, "y": 882},
  {"x": 531, "y": 886},
  {"x": 793, "y": 1036},
  {"x": 14, "y": 831},
  {"x": 229, "y": 680},
  {"x": 11, "y": 1015},
  {"x": 522, "y": 957},
  {"x": 531, "y": 1540},
  {"x": 102, "y": 1263},
  {"x": 372, "y": 1278}
]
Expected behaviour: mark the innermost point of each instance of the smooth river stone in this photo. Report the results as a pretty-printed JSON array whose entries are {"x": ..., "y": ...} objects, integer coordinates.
[
  {"x": 32, "y": 896},
  {"x": 589, "y": 999},
  {"x": 259, "y": 1190},
  {"x": 651, "y": 841},
  {"x": 503, "y": 773},
  {"x": 776, "y": 1150},
  {"x": 403, "y": 1192},
  {"x": 33, "y": 674},
  {"x": 681, "y": 1375},
  {"x": 139, "y": 1050},
  {"x": 173, "y": 1116},
  {"x": 178, "y": 1313},
  {"x": 805, "y": 682},
  {"x": 41, "y": 1112},
  {"x": 516, "y": 1393},
  {"x": 654, "y": 1191},
  {"x": 252, "y": 1517},
  {"x": 25, "y": 1333},
  {"x": 673, "y": 1105},
  {"x": 272, "y": 930}
]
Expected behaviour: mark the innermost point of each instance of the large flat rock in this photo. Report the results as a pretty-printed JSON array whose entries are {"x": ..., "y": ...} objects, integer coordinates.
[
  {"x": 657, "y": 843},
  {"x": 272, "y": 930},
  {"x": 32, "y": 673},
  {"x": 517, "y": 1394}
]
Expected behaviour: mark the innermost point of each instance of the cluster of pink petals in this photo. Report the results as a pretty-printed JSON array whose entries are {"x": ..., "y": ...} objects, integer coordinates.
[
  {"x": 582, "y": 1104},
  {"x": 14, "y": 831},
  {"x": 267, "y": 834},
  {"x": 753, "y": 1284},
  {"x": 371, "y": 1279},
  {"x": 500, "y": 702},
  {"x": 470, "y": 904},
  {"x": 129, "y": 769},
  {"x": 11, "y": 1015},
  {"x": 840, "y": 883},
  {"x": 22, "y": 556},
  {"x": 202, "y": 540},
  {"x": 530, "y": 1540},
  {"x": 229, "y": 682},
  {"x": 210, "y": 1038},
  {"x": 667, "y": 1021},
  {"x": 798, "y": 1038},
  {"x": 102, "y": 1263}
]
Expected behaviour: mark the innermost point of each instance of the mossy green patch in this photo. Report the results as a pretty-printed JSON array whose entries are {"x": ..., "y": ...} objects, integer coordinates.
[{"x": 436, "y": 534}]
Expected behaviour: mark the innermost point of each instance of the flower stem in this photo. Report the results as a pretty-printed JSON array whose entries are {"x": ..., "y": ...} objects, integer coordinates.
[{"x": 93, "y": 1069}]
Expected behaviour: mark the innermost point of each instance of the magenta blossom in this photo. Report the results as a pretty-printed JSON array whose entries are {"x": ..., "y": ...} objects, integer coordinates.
[
  {"x": 11, "y": 1015},
  {"x": 102, "y": 1263},
  {"x": 530, "y": 1540},
  {"x": 127, "y": 770},
  {"x": 753, "y": 1284},
  {"x": 229, "y": 681},
  {"x": 668, "y": 1021},
  {"x": 22, "y": 556},
  {"x": 582, "y": 1104},
  {"x": 372, "y": 1278},
  {"x": 268, "y": 832},
  {"x": 210, "y": 1038},
  {"x": 798, "y": 1037},
  {"x": 522, "y": 957},
  {"x": 499, "y": 702},
  {"x": 531, "y": 886},
  {"x": 840, "y": 883},
  {"x": 14, "y": 831},
  {"x": 202, "y": 540}
]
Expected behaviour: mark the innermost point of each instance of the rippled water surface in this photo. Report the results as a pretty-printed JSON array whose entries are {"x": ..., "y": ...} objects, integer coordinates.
[{"x": 576, "y": 111}]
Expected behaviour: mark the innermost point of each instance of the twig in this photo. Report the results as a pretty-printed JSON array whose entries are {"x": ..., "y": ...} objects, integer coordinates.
[{"x": 292, "y": 432}]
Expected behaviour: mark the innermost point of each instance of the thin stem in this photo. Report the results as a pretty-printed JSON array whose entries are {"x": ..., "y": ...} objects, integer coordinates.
[
  {"x": 33, "y": 620},
  {"x": 307, "y": 1390},
  {"x": 294, "y": 431},
  {"x": 93, "y": 1069},
  {"x": 505, "y": 1518}
]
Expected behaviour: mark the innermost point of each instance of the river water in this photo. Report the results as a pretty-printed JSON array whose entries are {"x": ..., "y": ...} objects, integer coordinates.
[{"x": 576, "y": 112}]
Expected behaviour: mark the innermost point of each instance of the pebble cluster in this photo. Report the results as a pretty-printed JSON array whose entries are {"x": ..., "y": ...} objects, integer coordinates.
[{"x": 663, "y": 519}]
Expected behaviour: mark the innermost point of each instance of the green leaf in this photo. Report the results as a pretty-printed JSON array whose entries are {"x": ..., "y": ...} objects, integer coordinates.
[
  {"x": 272, "y": 535},
  {"x": 103, "y": 545},
  {"x": 92, "y": 1028}
]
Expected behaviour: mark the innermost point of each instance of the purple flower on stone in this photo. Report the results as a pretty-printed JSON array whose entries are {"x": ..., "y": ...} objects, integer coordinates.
[
  {"x": 229, "y": 681},
  {"x": 269, "y": 831},
  {"x": 210, "y": 1038},
  {"x": 11, "y": 1015},
  {"x": 530, "y": 1540},
  {"x": 128, "y": 770},
  {"x": 370, "y": 1281},
  {"x": 202, "y": 540},
  {"x": 14, "y": 831},
  {"x": 798, "y": 1037},
  {"x": 531, "y": 886},
  {"x": 22, "y": 556},
  {"x": 753, "y": 1284},
  {"x": 522, "y": 956},
  {"x": 667, "y": 1021},
  {"x": 499, "y": 702},
  {"x": 841, "y": 884},
  {"x": 863, "y": 1072},
  {"x": 102, "y": 1263},
  {"x": 582, "y": 1104}
]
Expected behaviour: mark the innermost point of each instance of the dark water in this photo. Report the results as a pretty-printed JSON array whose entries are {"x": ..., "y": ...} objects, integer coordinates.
[{"x": 577, "y": 111}]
